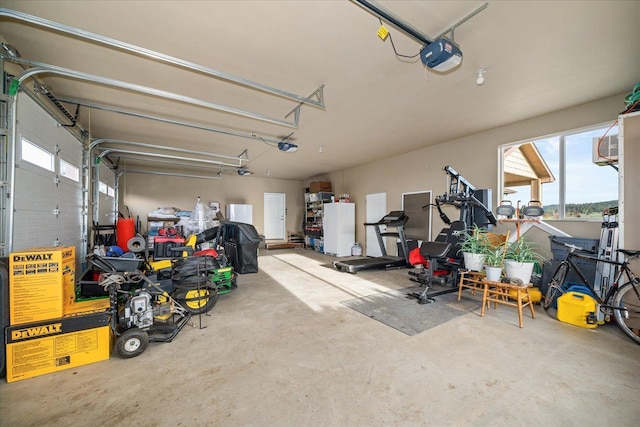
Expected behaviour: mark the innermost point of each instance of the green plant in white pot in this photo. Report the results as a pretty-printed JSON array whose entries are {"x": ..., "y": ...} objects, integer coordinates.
[
  {"x": 473, "y": 244},
  {"x": 520, "y": 259},
  {"x": 493, "y": 261}
]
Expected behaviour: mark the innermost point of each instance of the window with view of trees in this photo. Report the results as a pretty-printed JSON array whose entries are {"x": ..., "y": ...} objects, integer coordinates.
[{"x": 561, "y": 173}]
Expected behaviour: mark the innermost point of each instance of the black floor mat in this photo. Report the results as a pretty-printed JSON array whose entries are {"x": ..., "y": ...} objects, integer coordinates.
[{"x": 395, "y": 309}]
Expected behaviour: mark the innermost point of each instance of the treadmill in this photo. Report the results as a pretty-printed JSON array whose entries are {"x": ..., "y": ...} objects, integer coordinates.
[{"x": 394, "y": 219}]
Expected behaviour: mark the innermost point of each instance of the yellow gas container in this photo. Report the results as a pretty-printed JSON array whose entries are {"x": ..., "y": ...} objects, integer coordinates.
[{"x": 577, "y": 309}]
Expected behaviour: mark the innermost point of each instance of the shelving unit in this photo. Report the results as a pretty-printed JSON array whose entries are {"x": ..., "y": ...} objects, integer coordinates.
[{"x": 313, "y": 219}]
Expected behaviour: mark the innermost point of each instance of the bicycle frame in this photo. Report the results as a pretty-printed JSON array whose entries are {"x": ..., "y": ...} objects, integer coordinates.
[{"x": 621, "y": 269}]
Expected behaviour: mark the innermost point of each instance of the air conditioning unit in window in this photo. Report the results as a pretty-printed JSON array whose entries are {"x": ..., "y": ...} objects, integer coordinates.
[{"x": 605, "y": 151}]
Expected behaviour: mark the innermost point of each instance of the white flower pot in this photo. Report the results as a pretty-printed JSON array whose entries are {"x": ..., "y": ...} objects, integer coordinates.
[
  {"x": 518, "y": 270},
  {"x": 473, "y": 262},
  {"x": 493, "y": 273}
]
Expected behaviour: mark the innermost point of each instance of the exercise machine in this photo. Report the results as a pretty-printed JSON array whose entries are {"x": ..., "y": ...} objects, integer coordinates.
[
  {"x": 441, "y": 259},
  {"x": 474, "y": 204},
  {"x": 394, "y": 219}
]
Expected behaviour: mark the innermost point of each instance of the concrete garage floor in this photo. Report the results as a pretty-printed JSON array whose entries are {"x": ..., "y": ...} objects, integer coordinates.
[{"x": 282, "y": 351}]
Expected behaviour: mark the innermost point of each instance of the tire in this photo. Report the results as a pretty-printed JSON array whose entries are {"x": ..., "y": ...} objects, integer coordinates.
[
  {"x": 628, "y": 319},
  {"x": 197, "y": 301},
  {"x": 554, "y": 288},
  {"x": 132, "y": 343}
]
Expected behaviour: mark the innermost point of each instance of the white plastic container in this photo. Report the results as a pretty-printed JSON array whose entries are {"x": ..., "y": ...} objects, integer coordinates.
[{"x": 356, "y": 249}]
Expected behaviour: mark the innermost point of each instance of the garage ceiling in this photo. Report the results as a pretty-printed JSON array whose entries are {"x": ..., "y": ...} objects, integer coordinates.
[{"x": 539, "y": 57}]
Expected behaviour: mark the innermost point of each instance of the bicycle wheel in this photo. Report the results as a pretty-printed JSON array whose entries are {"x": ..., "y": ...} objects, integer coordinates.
[
  {"x": 628, "y": 314},
  {"x": 554, "y": 288}
]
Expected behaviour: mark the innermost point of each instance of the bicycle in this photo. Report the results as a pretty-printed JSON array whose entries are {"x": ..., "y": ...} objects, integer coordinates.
[{"x": 621, "y": 300}]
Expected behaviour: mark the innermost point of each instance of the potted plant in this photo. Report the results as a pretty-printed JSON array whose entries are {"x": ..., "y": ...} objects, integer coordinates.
[
  {"x": 493, "y": 261},
  {"x": 520, "y": 259},
  {"x": 473, "y": 244}
]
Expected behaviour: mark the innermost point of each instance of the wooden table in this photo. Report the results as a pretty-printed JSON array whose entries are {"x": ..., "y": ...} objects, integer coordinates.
[{"x": 498, "y": 293}]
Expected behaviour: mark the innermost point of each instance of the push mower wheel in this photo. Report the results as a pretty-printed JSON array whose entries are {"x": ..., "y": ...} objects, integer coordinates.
[
  {"x": 197, "y": 301},
  {"x": 132, "y": 343}
]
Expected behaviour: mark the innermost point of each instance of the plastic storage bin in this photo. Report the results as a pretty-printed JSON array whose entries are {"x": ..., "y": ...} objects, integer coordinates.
[{"x": 560, "y": 252}]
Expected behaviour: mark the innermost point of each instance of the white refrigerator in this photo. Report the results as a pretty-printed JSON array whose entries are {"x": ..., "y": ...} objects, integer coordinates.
[
  {"x": 240, "y": 213},
  {"x": 339, "y": 228}
]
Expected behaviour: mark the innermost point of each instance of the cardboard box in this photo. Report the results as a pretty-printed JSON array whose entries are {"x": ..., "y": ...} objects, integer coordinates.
[
  {"x": 320, "y": 187},
  {"x": 41, "y": 348},
  {"x": 77, "y": 306},
  {"x": 37, "y": 279}
]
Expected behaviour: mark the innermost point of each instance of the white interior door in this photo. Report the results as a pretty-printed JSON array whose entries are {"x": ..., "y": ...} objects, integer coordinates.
[
  {"x": 274, "y": 216},
  {"x": 375, "y": 209}
]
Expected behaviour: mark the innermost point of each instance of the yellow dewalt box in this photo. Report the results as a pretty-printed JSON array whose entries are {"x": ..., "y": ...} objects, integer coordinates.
[
  {"x": 37, "y": 278},
  {"x": 577, "y": 309},
  {"x": 41, "y": 348}
]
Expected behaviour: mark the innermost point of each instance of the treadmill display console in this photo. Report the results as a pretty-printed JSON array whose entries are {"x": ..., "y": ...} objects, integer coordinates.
[{"x": 394, "y": 216}]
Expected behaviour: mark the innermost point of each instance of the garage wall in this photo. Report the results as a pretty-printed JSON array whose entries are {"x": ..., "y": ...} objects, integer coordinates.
[
  {"x": 475, "y": 157},
  {"x": 144, "y": 193}
]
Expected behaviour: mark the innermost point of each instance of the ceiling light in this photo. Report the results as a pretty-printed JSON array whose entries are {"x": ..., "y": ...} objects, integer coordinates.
[
  {"x": 480, "y": 74},
  {"x": 244, "y": 172},
  {"x": 287, "y": 147},
  {"x": 268, "y": 172},
  {"x": 320, "y": 148}
]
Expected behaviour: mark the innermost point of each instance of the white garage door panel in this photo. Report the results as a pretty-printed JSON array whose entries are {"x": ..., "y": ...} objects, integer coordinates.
[
  {"x": 37, "y": 196},
  {"x": 33, "y": 230},
  {"x": 35, "y": 192},
  {"x": 35, "y": 222}
]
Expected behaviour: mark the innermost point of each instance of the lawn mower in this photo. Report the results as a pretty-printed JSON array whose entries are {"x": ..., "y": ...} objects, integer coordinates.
[{"x": 197, "y": 276}]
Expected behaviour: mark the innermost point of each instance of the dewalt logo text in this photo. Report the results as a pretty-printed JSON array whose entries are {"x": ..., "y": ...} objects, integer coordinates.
[
  {"x": 36, "y": 331},
  {"x": 32, "y": 257}
]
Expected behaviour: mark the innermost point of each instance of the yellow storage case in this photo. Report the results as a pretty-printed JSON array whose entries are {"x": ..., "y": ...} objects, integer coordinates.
[{"x": 577, "y": 309}]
